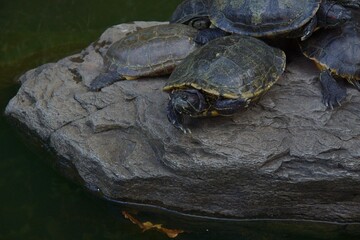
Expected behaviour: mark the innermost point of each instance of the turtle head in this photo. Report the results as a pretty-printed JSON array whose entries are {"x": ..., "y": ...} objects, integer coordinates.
[
  {"x": 200, "y": 23},
  {"x": 188, "y": 102},
  {"x": 334, "y": 14}
]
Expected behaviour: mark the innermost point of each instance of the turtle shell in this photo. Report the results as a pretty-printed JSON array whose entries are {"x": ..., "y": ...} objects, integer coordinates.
[
  {"x": 262, "y": 18},
  {"x": 336, "y": 49},
  {"x": 151, "y": 51},
  {"x": 230, "y": 67},
  {"x": 189, "y": 10}
]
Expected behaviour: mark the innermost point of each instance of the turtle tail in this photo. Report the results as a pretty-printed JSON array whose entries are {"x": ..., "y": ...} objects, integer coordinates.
[{"x": 104, "y": 79}]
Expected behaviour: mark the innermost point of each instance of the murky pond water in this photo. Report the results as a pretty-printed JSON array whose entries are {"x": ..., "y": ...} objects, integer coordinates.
[{"x": 36, "y": 202}]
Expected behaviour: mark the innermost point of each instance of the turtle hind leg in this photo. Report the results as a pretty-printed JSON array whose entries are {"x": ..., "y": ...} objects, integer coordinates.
[
  {"x": 332, "y": 92},
  {"x": 104, "y": 79},
  {"x": 227, "y": 107}
]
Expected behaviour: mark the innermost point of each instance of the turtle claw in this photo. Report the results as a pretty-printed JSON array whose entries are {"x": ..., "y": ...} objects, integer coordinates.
[
  {"x": 332, "y": 92},
  {"x": 181, "y": 127},
  {"x": 332, "y": 101},
  {"x": 338, "y": 102},
  {"x": 185, "y": 130}
]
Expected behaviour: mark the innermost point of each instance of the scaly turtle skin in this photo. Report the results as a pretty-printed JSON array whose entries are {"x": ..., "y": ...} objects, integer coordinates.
[
  {"x": 193, "y": 13},
  {"x": 152, "y": 51},
  {"x": 337, "y": 53},
  {"x": 222, "y": 77},
  {"x": 272, "y": 18},
  {"x": 349, "y": 3}
]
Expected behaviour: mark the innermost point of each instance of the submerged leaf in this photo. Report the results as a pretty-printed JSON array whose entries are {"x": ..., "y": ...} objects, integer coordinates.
[{"x": 171, "y": 233}]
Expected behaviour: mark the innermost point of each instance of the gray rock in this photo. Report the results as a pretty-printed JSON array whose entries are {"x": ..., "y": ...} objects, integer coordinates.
[{"x": 286, "y": 157}]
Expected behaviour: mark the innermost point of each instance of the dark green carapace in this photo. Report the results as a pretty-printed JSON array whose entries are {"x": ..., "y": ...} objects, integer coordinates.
[
  {"x": 222, "y": 77},
  {"x": 337, "y": 53},
  {"x": 262, "y": 18},
  {"x": 271, "y": 18},
  {"x": 152, "y": 51}
]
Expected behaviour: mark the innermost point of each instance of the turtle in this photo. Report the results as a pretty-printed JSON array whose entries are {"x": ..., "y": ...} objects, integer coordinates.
[
  {"x": 152, "y": 51},
  {"x": 337, "y": 54},
  {"x": 271, "y": 18},
  {"x": 349, "y": 3},
  {"x": 193, "y": 13},
  {"x": 222, "y": 77}
]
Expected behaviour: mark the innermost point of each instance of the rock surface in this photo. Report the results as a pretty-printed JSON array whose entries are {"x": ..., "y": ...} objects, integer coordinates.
[{"x": 286, "y": 157}]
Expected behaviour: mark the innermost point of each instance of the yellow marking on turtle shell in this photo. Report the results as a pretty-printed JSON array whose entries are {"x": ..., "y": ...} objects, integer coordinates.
[
  {"x": 323, "y": 66},
  {"x": 210, "y": 91},
  {"x": 175, "y": 86},
  {"x": 212, "y": 113},
  {"x": 167, "y": 88},
  {"x": 131, "y": 77},
  {"x": 214, "y": 92},
  {"x": 196, "y": 86},
  {"x": 257, "y": 8},
  {"x": 247, "y": 95},
  {"x": 230, "y": 96}
]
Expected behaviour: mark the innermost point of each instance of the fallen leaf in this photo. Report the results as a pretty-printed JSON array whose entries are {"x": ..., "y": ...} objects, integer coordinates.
[
  {"x": 132, "y": 219},
  {"x": 171, "y": 233}
]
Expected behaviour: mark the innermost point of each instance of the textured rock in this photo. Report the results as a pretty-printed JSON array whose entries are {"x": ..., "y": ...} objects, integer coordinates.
[{"x": 286, "y": 157}]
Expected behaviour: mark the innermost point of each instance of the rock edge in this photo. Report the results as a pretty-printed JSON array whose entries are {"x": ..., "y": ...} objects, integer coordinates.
[{"x": 286, "y": 157}]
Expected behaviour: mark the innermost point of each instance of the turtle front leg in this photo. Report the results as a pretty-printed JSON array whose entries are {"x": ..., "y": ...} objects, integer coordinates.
[
  {"x": 227, "y": 107},
  {"x": 176, "y": 118},
  {"x": 332, "y": 92},
  {"x": 206, "y": 35},
  {"x": 192, "y": 103},
  {"x": 189, "y": 102}
]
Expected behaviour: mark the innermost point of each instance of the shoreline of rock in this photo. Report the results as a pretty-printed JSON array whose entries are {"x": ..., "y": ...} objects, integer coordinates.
[{"x": 286, "y": 157}]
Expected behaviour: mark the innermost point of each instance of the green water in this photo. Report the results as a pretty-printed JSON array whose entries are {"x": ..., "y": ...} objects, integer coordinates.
[{"x": 36, "y": 202}]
